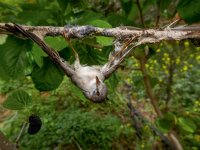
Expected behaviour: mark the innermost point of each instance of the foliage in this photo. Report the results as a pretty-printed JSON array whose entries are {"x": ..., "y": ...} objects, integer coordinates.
[
  {"x": 69, "y": 120},
  {"x": 17, "y": 100}
]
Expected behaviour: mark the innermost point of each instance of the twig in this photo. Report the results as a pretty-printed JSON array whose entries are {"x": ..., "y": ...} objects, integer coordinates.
[
  {"x": 140, "y": 11},
  {"x": 5, "y": 144},
  {"x": 148, "y": 88},
  {"x": 170, "y": 80},
  {"x": 158, "y": 12},
  {"x": 77, "y": 144},
  {"x": 20, "y": 133}
]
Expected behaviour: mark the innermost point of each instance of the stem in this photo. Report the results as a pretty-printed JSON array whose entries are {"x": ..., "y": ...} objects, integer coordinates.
[
  {"x": 170, "y": 81},
  {"x": 140, "y": 11},
  {"x": 148, "y": 88},
  {"x": 77, "y": 144},
  {"x": 154, "y": 102},
  {"x": 158, "y": 12},
  {"x": 5, "y": 144},
  {"x": 20, "y": 133}
]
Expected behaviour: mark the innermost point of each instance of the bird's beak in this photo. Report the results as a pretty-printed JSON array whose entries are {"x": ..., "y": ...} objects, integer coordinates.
[
  {"x": 97, "y": 85},
  {"x": 97, "y": 81}
]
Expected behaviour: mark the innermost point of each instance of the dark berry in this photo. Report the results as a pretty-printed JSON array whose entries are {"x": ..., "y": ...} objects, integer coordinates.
[{"x": 35, "y": 124}]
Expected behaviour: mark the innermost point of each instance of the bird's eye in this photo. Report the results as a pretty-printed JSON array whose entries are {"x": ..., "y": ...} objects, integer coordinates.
[{"x": 98, "y": 93}]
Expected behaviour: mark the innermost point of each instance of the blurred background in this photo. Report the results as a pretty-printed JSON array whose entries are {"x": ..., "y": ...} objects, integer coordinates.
[{"x": 31, "y": 84}]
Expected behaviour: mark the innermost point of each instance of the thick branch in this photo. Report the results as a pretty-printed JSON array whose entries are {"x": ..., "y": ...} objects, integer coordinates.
[
  {"x": 43, "y": 30},
  {"x": 5, "y": 143},
  {"x": 143, "y": 36}
]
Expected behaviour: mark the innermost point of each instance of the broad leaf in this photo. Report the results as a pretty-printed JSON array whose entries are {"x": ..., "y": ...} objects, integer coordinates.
[
  {"x": 38, "y": 55},
  {"x": 14, "y": 58},
  {"x": 57, "y": 43},
  {"x": 66, "y": 53},
  {"x": 48, "y": 77},
  {"x": 116, "y": 20},
  {"x": 91, "y": 56},
  {"x": 104, "y": 41},
  {"x": 18, "y": 100},
  {"x": 187, "y": 124},
  {"x": 88, "y": 16},
  {"x": 3, "y": 39},
  {"x": 34, "y": 13},
  {"x": 99, "y": 23},
  {"x": 189, "y": 10}
]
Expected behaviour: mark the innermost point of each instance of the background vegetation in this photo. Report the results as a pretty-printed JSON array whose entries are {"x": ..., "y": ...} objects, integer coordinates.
[{"x": 31, "y": 84}]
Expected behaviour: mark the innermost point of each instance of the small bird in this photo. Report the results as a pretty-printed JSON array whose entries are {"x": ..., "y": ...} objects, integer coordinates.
[{"x": 90, "y": 79}]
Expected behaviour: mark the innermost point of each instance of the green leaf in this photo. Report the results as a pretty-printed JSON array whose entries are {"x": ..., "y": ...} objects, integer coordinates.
[
  {"x": 66, "y": 53},
  {"x": 164, "y": 4},
  {"x": 48, "y": 77},
  {"x": 18, "y": 100},
  {"x": 116, "y": 20},
  {"x": 87, "y": 16},
  {"x": 187, "y": 124},
  {"x": 99, "y": 23},
  {"x": 57, "y": 43},
  {"x": 91, "y": 56},
  {"x": 34, "y": 13},
  {"x": 3, "y": 39},
  {"x": 127, "y": 5},
  {"x": 14, "y": 58},
  {"x": 38, "y": 55},
  {"x": 74, "y": 89},
  {"x": 189, "y": 10},
  {"x": 63, "y": 4},
  {"x": 104, "y": 41}
]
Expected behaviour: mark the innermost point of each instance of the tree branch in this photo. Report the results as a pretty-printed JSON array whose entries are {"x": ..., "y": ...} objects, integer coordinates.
[
  {"x": 154, "y": 102},
  {"x": 170, "y": 80},
  {"x": 20, "y": 133},
  {"x": 5, "y": 143},
  {"x": 148, "y": 88},
  {"x": 158, "y": 2},
  {"x": 140, "y": 11},
  {"x": 42, "y": 30},
  {"x": 142, "y": 36}
]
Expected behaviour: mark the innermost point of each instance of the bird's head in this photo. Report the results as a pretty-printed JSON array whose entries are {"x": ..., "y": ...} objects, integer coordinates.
[{"x": 98, "y": 93}]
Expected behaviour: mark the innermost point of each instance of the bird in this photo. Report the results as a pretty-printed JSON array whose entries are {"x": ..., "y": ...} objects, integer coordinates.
[{"x": 90, "y": 79}]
